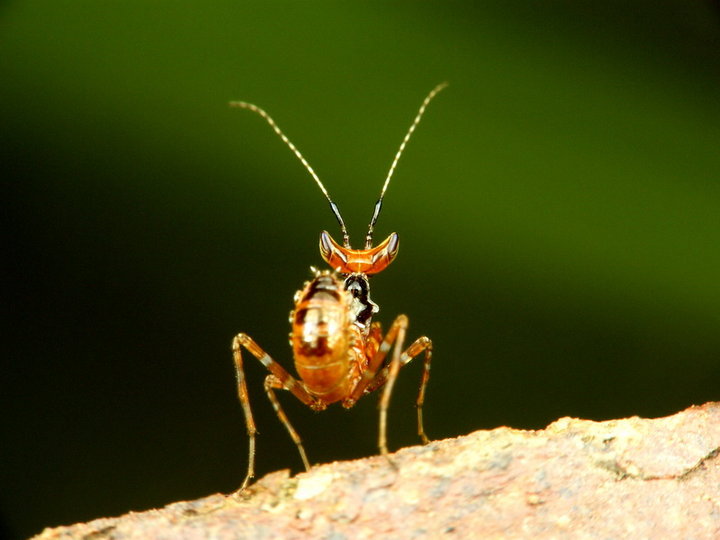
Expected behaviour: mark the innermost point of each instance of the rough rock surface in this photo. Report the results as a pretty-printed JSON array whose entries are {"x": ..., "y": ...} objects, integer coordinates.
[{"x": 629, "y": 478}]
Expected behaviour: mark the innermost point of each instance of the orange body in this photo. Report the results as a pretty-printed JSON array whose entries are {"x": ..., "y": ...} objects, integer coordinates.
[
  {"x": 332, "y": 346},
  {"x": 321, "y": 338}
]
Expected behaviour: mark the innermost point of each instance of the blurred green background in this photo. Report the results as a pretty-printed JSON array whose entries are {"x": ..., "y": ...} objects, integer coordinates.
[{"x": 557, "y": 209}]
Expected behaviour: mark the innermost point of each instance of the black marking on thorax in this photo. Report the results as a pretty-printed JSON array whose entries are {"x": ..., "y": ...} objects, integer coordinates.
[{"x": 363, "y": 308}]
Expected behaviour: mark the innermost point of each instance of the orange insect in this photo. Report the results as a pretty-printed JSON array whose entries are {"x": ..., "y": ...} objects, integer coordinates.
[{"x": 340, "y": 354}]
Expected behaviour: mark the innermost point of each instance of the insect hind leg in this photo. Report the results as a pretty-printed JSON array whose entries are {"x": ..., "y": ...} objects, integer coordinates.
[
  {"x": 243, "y": 341},
  {"x": 419, "y": 345}
]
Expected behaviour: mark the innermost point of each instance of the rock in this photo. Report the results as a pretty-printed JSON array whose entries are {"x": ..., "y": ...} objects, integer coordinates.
[{"x": 628, "y": 478}]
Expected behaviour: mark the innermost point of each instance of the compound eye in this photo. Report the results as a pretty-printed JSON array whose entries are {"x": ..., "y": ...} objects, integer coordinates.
[
  {"x": 393, "y": 246},
  {"x": 325, "y": 245},
  {"x": 385, "y": 252},
  {"x": 331, "y": 251}
]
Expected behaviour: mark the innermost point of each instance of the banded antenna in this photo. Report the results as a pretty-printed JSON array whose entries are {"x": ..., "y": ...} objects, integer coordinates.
[
  {"x": 333, "y": 207},
  {"x": 416, "y": 121},
  {"x": 276, "y": 129}
]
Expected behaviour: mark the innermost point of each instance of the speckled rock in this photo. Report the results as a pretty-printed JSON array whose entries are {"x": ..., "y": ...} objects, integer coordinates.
[{"x": 629, "y": 478}]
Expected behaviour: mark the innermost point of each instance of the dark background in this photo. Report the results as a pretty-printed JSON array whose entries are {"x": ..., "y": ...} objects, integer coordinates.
[{"x": 557, "y": 208}]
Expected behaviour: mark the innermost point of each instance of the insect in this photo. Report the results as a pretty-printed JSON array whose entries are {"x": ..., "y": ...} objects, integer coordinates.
[{"x": 340, "y": 353}]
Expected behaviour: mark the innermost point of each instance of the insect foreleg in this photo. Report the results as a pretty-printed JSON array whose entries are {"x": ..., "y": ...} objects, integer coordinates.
[{"x": 376, "y": 362}]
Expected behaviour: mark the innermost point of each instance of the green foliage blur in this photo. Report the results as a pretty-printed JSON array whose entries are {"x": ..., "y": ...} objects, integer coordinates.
[{"x": 558, "y": 211}]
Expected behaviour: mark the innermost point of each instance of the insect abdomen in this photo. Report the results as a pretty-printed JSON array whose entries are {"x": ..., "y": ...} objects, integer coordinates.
[{"x": 320, "y": 337}]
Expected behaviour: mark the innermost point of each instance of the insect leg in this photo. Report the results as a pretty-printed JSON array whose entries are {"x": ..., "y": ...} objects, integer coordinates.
[
  {"x": 243, "y": 340},
  {"x": 388, "y": 374},
  {"x": 401, "y": 323},
  {"x": 271, "y": 383},
  {"x": 371, "y": 372}
]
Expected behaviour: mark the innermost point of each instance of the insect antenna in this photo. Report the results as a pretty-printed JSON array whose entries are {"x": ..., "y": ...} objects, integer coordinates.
[
  {"x": 276, "y": 129},
  {"x": 416, "y": 121}
]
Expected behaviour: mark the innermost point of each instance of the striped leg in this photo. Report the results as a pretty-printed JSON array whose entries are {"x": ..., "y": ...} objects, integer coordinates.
[
  {"x": 272, "y": 383},
  {"x": 384, "y": 377},
  {"x": 284, "y": 379},
  {"x": 371, "y": 372},
  {"x": 388, "y": 375}
]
